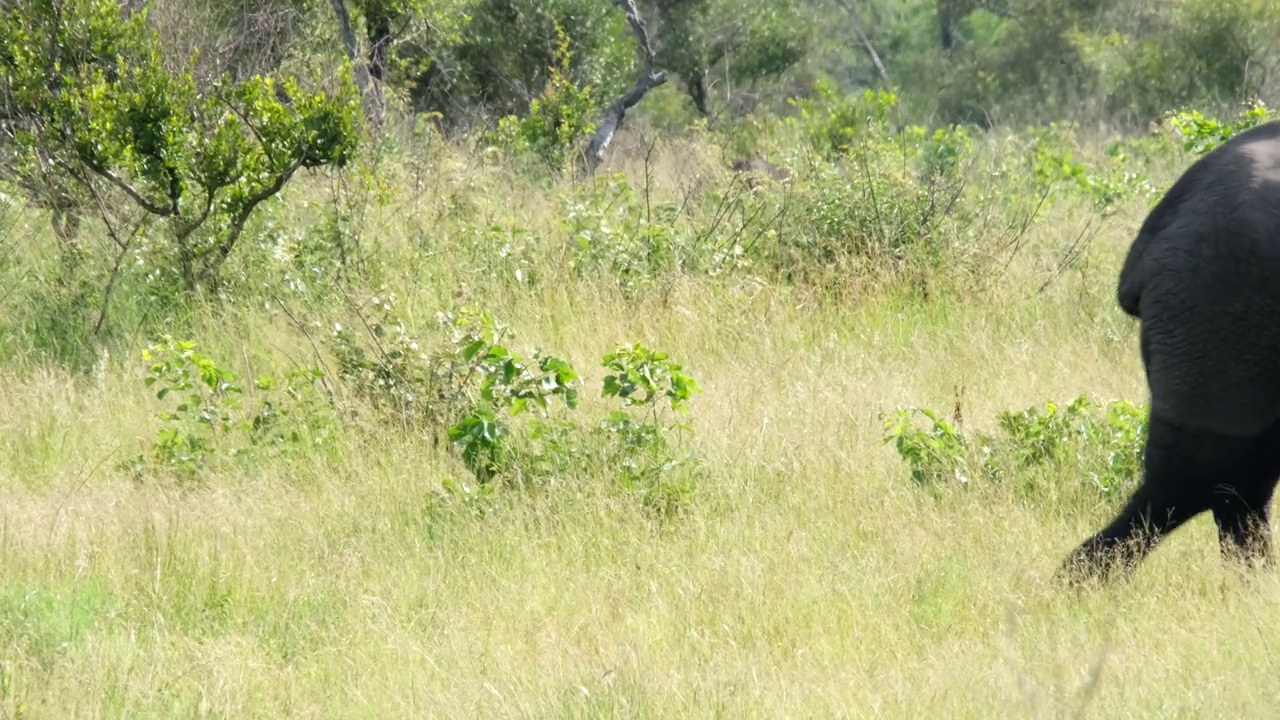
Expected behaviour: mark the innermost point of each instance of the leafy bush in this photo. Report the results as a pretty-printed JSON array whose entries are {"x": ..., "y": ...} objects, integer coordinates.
[
  {"x": 471, "y": 387},
  {"x": 459, "y": 386},
  {"x": 1054, "y": 166},
  {"x": 611, "y": 234},
  {"x": 206, "y": 402},
  {"x": 649, "y": 452},
  {"x": 1079, "y": 446},
  {"x": 211, "y": 419},
  {"x": 1107, "y": 448},
  {"x": 879, "y": 201},
  {"x": 1185, "y": 52},
  {"x": 507, "y": 384},
  {"x": 936, "y": 455},
  {"x": 646, "y": 454},
  {"x": 643, "y": 377},
  {"x": 1200, "y": 134},
  {"x": 1014, "y": 61},
  {"x": 622, "y": 233},
  {"x": 502, "y": 54},
  {"x": 558, "y": 119},
  {"x": 121, "y": 134}
]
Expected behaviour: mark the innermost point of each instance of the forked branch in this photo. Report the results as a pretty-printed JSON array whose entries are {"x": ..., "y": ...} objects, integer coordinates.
[{"x": 648, "y": 79}]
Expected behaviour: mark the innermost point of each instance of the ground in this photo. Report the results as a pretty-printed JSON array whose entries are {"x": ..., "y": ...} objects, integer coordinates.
[{"x": 807, "y": 576}]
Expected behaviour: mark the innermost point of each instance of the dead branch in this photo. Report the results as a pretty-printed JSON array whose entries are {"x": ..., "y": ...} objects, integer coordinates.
[
  {"x": 648, "y": 79},
  {"x": 865, "y": 41}
]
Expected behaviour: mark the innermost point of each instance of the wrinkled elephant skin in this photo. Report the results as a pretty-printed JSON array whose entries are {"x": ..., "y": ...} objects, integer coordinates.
[{"x": 1203, "y": 278}]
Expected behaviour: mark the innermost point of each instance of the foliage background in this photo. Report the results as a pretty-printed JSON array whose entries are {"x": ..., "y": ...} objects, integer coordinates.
[{"x": 790, "y": 407}]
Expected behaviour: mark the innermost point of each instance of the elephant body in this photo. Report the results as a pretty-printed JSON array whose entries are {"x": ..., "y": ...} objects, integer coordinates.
[{"x": 1203, "y": 277}]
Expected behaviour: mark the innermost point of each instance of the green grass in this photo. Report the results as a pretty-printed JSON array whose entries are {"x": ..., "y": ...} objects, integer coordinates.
[{"x": 807, "y": 576}]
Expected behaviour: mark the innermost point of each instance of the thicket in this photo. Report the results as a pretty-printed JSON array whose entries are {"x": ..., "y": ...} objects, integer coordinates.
[
  {"x": 1060, "y": 457},
  {"x": 465, "y": 386},
  {"x": 178, "y": 183}
]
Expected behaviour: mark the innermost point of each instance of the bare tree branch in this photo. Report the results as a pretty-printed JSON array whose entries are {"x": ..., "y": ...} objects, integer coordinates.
[
  {"x": 647, "y": 80},
  {"x": 153, "y": 208},
  {"x": 863, "y": 40}
]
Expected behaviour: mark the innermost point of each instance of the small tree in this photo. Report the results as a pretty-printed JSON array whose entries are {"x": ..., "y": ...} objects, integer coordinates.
[
  {"x": 87, "y": 106},
  {"x": 737, "y": 42}
]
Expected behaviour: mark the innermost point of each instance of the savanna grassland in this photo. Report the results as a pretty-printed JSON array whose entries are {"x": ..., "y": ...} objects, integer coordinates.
[{"x": 774, "y": 559}]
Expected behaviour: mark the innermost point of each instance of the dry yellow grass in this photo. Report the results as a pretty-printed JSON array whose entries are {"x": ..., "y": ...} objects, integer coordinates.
[{"x": 808, "y": 577}]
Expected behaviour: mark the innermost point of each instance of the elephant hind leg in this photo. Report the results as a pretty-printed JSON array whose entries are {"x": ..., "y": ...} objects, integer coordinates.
[
  {"x": 1157, "y": 508},
  {"x": 1242, "y": 506},
  {"x": 1174, "y": 489},
  {"x": 1244, "y": 533}
]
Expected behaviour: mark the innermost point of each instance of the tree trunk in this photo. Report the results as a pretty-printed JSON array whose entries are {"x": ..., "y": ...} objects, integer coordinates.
[
  {"x": 374, "y": 105},
  {"x": 865, "y": 41},
  {"x": 946, "y": 28},
  {"x": 696, "y": 84},
  {"x": 647, "y": 80},
  {"x": 378, "y": 26}
]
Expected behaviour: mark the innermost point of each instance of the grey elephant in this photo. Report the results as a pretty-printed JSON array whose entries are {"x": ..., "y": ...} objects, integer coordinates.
[{"x": 1203, "y": 277}]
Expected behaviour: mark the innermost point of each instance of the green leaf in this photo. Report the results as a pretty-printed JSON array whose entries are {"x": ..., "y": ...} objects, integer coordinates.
[
  {"x": 471, "y": 350},
  {"x": 611, "y": 386}
]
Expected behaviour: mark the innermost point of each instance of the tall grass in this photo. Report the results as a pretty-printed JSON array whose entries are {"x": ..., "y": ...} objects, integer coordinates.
[{"x": 806, "y": 576}]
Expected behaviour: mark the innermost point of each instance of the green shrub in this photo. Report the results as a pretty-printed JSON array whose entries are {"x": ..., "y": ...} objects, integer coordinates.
[
  {"x": 207, "y": 415},
  {"x": 1107, "y": 188},
  {"x": 877, "y": 201},
  {"x": 647, "y": 454},
  {"x": 461, "y": 386},
  {"x": 1077, "y": 450},
  {"x": 935, "y": 455},
  {"x": 612, "y": 234},
  {"x": 472, "y": 388},
  {"x": 1201, "y": 134},
  {"x": 558, "y": 120},
  {"x": 1183, "y": 52}
]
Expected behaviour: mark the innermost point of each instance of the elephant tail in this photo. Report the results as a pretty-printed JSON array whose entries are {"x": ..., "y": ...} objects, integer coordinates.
[
  {"x": 1129, "y": 294},
  {"x": 1129, "y": 291}
]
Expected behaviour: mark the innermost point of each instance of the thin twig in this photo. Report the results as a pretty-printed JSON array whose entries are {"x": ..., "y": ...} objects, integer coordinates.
[
  {"x": 84, "y": 480},
  {"x": 1073, "y": 253},
  {"x": 315, "y": 349}
]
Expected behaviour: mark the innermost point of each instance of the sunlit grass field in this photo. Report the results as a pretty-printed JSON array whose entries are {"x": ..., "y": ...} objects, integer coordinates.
[{"x": 807, "y": 576}]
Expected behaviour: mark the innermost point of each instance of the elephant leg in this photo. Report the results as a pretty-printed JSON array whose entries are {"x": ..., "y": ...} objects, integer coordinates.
[
  {"x": 1242, "y": 509},
  {"x": 1152, "y": 513},
  {"x": 1172, "y": 492},
  {"x": 1244, "y": 532}
]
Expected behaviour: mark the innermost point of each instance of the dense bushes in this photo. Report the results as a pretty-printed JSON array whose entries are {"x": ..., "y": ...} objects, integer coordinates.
[
  {"x": 1014, "y": 61},
  {"x": 175, "y": 195},
  {"x": 467, "y": 387},
  {"x": 868, "y": 201},
  {"x": 1055, "y": 455},
  {"x": 1189, "y": 52}
]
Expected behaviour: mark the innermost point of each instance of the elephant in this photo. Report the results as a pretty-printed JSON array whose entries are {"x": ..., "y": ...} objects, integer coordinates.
[{"x": 1202, "y": 276}]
